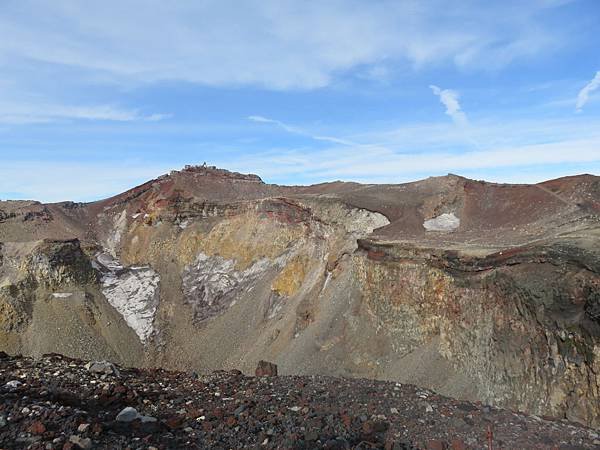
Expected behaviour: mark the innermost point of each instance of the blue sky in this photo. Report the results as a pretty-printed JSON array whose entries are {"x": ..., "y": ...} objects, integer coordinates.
[{"x": 96, "y": 97}]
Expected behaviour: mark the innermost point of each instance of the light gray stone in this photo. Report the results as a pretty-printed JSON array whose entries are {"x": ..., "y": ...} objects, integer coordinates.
[
  {"x": 84, "y": 443},
  {"x": 102, "y": 367},
  {"x": 128, "y": 414}
]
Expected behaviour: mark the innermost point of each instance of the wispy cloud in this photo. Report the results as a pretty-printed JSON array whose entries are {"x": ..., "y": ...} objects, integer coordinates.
[
  {"x": 300, "y": 131},
  {"x": 449, "y": 99},
  {"x": 361, "y": 62},
  {"x": 413, "y": 151},
  {"x": 265, "y": 42},
  {"x": 22, "y": 113},
  {"x": 385, "y": 165},
  {"x": 532, "y": 149},
  {"x": 584, "y": 94},
  {"x": 288, "y": 128}
]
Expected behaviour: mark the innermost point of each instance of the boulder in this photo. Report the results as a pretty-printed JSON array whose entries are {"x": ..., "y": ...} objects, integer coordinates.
[
  {"x": 13, "y": 385},
  {"x": 266, "y": 369},
  {"x": 128, "y": 414},
  {"x": 84, "y": 443},
  {"x": 102, "y": 367}
]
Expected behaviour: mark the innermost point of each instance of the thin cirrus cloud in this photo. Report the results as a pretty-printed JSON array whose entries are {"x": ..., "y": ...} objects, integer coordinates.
[
  {"x": 20, "y": 114},
  {"x": 401, "y": 154},
  {"x": 340, "y": 163},
  {"x": 411, "y": 151},
  {"x": 584, "y": 94},
  {"x": 300, "y": 131}
]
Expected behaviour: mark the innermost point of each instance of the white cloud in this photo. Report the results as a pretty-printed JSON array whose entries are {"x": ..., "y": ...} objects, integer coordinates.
[
  {"x": 449, "y": 99},
  {"x": 22, "y": 113},
  {"x": 272, "y": 43},
  {"x": 584, "y": 94},
  {"x": 288, "y": 128},
  {"x": 414, "y": 151},
  {"x": 384, "y": 165},
  {"x": 300, "y": 131}
]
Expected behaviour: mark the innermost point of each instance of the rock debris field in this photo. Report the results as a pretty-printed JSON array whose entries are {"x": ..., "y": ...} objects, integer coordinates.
[{"x": 57, "y": 402}]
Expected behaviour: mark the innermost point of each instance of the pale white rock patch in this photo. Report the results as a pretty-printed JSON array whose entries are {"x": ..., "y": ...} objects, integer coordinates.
[
  {"x": 62, "y": 294},
  {"x": 211, "y": 284},
  {"x": 443, "y": 222},
  {"x": 132, "y": 291}
]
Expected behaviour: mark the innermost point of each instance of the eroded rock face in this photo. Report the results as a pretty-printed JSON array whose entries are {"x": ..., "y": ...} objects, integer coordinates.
[
  {"x": 28, "y": 270},
  {"x": 522, "y": 331},
  {"x": 59, "y": 263}
]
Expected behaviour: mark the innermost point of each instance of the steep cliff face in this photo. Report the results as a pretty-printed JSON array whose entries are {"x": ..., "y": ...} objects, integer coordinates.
[
  {"x": 524, "y": 328},
  {"x": 480, "y": 291}
]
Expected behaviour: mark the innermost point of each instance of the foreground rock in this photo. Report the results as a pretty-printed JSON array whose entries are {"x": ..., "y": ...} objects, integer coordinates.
[
  {"x": 102, "y": 367},
  {"x": 62, "y": 405},
  {"x": 266, "y": 369}
]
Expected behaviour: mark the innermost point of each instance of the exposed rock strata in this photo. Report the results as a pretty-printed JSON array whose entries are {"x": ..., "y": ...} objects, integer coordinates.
[{"x": 523, "y": 328}]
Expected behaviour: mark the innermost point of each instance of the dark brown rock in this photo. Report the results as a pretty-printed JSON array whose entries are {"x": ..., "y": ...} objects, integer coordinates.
[
  {"x": 266, "y": 369},
  {"x": 37, "y": 427},
  {"x": 457, "y": 444},
  {"x": 231, "y": 421},
  {"x": 174, "y": 422},
  {"x": 435, "y": 444}
]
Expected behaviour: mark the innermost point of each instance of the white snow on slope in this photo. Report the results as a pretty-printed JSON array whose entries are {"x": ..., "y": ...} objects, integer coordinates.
[
  {"x": 132, "y": 291},
  {"x": 443, "y": 222}
]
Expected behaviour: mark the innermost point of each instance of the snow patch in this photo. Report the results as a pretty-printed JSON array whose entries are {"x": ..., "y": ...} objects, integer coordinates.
[
  {"x": 443, "y": 222},
  {"x": 132, "y": 291},
  {"x": 363, "y": 221},
  {"x": 62, "y": 294}
]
